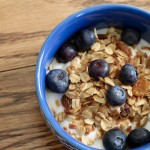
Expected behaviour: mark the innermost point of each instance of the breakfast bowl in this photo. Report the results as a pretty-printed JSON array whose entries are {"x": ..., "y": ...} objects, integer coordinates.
[{"x": 99, "y": 16}]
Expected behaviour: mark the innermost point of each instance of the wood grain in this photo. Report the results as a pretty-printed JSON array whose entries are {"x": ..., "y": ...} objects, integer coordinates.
[{"x": 24, "y": 26}]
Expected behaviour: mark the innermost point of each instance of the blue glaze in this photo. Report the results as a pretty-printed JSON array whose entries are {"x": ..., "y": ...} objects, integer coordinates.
[{"x": 117, "y": 15}]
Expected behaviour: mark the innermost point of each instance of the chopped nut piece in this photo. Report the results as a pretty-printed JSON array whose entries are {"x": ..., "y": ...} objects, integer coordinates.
[
  {"x": 102, "y": 36},
  {"x": 67, "y": 103},
  {"x": 140, "y": 87},
  {"x": 125, "y": 110},
  {"x": 72, "y": 126},
  {"x": 124, "y": 47}
]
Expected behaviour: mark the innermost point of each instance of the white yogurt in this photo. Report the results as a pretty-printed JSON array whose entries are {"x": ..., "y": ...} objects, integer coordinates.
[{"x": 52, "y": 97}]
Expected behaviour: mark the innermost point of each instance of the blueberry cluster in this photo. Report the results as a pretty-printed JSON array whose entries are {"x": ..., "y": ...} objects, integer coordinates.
[
  {"x": 115, "y": 139},
  {"x": 57, "y": 80}
]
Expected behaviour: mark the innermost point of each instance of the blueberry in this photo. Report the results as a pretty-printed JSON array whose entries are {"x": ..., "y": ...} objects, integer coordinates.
[
  {"x": 130, "y": 36},
  {"x": 57, "y": 80},
  {"x": 116, "y": 95},
  {"x": 114, "y": 139},
  {"x": 98, "y": 68},
  {"x": 66, "y": 53},
  {"x": 84, "y": 39},
  {"x": 138, "y": 137},
  {"x": 128, "y": 74}
]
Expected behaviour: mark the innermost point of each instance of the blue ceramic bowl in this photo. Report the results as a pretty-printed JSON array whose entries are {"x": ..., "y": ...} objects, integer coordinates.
[{"x": 116, "y": 15}]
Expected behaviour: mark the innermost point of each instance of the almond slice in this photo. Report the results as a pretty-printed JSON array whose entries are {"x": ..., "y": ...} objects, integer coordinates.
[
  {"x": 85, "y": 86},
  {"x": 87, "y": 114},
  {"x": 96, "y": 47},
  {"x": 105, "y": 124},
  {"x": 110, "y": 60},
  {"x": 143, "y": 121},
  {"x": 89, "y": 121},
  {"x": 141, "y": 102},
  {"x": 109, "y": 81},
  {"x": 84, "y": 77},
  {"x": 99, "y": 99},
  {"x": 127, "y": 87},
  {"x": 74, "y": 78},
  {"x": 108, "y": 50}
]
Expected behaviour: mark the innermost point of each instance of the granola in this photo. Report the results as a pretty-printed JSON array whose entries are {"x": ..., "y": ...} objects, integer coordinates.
[{"x": 85, "y": 105}]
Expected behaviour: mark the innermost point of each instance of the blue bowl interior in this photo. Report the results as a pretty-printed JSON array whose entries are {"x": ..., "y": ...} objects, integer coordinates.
[{"x": 101, "y": 16}]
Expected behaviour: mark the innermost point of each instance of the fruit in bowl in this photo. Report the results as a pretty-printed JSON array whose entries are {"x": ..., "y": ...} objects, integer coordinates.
[{"x": 105, "y": 73}]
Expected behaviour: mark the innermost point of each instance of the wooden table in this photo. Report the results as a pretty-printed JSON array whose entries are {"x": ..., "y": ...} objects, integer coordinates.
[{"x": 24, "y": 26}]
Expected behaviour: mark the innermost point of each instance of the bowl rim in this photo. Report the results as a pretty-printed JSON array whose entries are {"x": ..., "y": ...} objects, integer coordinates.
[{"x": 43, "y": 102}]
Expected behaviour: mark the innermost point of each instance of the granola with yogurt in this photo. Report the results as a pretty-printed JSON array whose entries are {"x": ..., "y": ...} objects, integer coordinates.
[{"x": 85, "y": 105}]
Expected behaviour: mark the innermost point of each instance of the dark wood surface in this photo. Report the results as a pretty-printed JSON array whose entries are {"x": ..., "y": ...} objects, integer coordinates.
[{"x": 24, "y": 25}]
